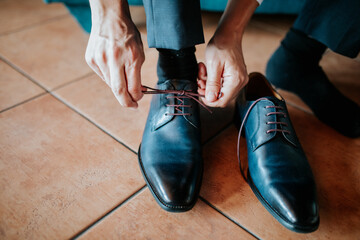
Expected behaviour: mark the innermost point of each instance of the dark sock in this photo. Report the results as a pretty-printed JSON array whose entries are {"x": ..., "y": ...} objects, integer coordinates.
[
  {"x": 295, "y": 67},
  {"x": 177, "y": 64},
  {"x": 297, "y": 56},
  {"x": 307, "y": 50}
]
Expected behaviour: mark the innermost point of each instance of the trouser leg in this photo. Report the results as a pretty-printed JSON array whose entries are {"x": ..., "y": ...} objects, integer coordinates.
[
  {"x": 335, "y": 23},
  {"x": 173, "y": 24}
]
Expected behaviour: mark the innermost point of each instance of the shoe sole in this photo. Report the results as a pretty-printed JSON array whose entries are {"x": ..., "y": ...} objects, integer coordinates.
[
  {"x": 278, "y": 216},
  {"x": 167, "y": 207}
]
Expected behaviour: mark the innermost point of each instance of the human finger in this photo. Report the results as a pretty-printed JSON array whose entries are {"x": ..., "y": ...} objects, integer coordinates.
[{"x": 213, "y": 82}]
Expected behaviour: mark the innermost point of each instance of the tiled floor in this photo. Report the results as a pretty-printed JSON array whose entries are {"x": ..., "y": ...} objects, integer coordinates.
[{"x": 68, "y": 164}]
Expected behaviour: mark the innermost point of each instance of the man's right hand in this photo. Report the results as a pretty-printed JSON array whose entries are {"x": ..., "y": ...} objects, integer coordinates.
[{"x": 115, "y": 51}]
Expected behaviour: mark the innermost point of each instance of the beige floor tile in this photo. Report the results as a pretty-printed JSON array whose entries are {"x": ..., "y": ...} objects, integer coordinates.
[
  {"x": 15, "y": 15},
  {"x": 52, "y": 53},
  {"x": 258, "y": 46},
  {"x": 142, "y": 218},
  {"x": 14, "y": 87},
  {"x": 59, "y": 173},
  {"x": 93, "y": 98},
  {"x": 335, "y": 166}
]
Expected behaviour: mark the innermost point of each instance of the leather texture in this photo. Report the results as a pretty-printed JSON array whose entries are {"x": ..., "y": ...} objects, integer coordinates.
[
  {"x": 170, "y": 152},
  {"x": 278, "y": 171}
]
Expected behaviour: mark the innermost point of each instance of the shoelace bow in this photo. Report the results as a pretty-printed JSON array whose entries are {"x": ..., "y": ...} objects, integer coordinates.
[
  {"x": 180, "y": 95},
  {"x": 242, "y": 170}
]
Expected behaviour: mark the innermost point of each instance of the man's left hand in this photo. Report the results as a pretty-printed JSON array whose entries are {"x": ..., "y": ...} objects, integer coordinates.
[{"x": 224, "y": 73}]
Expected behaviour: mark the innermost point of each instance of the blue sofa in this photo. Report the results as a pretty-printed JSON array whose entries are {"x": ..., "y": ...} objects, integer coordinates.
[{"x": 80, "y": 9}]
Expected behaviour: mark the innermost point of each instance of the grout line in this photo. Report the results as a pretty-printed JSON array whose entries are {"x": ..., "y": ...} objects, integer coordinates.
[
  {"x": 35, "y": 24},
  {"x": 60, "y": 100},
  {"x": 22, "y": 72},
  {"x": 25, "y": 101},
  {"x": 91, "y": 225},
  {"x": 16, "y": 68},
  {"x": 92, "y": 122},
  {"x": 72, "y": 81},
  {"x": 229, "y": 218}
]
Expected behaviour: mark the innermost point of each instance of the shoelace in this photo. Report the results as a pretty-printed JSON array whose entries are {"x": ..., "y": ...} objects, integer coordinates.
[
  {"x": 267, "y": 132},
  {"x": 180, "y": 95}
]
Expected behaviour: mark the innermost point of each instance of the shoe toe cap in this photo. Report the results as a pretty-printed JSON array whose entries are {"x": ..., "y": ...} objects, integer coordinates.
[
  {"x": 175, "y": 187},
  {"x": 297, "y": 206}
]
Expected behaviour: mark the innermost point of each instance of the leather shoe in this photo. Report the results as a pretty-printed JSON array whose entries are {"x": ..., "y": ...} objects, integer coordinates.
[
  {"x": 170, "y": 152},
  {"x": 278, "y": 171}
]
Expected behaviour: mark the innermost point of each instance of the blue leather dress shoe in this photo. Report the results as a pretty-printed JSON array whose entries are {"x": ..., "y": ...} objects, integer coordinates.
[
  {"x": 170, "y": 152},
  {"x": 278, "y": 171}
]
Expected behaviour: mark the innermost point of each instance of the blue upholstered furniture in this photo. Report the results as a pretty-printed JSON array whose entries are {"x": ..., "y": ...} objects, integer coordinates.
[{"x": 80, "y": 9}]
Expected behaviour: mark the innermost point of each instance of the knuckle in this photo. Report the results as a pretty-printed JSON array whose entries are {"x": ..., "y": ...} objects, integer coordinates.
[
  {"x": 213, "y": 84},
  {"x": 136, "y": 94},
  {"x": 116, "y": 90},
  {"x": 211, "y": 62},
  {"x": 126, "y": 104},
  {"x": 89, "y": 59},
  {"x": 104, "y": 58},
  {"x": 134, "y": 90},
  {"x": 132, "y": 56}
]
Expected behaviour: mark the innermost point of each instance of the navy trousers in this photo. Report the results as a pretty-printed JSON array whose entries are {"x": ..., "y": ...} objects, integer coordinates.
[
  {"x": 173, "y": 24},
  {"x": 176, "y": 24},
  {"x": 335, "y": 23}
]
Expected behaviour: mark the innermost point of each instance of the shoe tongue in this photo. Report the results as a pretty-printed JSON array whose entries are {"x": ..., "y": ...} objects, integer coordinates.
[
  {"x": 183, "y": 84},
  {"x": 273, "y": 99},
  {"x": 161, "y": 119}
]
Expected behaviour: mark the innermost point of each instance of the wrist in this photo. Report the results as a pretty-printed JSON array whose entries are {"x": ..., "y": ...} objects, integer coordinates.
[
  {"x": 224, "y": 38},
  {"x": 110, "y": 14},
  {"x": 235, "y": 18}
]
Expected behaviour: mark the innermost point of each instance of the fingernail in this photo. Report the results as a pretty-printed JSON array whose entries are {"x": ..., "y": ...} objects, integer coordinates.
[{"x": 211, "y": 96}]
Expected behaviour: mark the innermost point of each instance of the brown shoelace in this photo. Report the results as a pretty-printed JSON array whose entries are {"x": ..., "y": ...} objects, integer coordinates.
[
  {"x": 242, "y": 170},
  {"x": 180, "y": 95}
]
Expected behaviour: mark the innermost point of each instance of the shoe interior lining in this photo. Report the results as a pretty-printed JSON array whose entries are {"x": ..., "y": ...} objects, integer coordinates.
[{"x": 259, "y": 87}]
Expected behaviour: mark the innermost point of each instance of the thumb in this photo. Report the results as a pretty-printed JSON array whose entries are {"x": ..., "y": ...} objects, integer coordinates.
[
  {"x": 202, "y": 74},
  {"x": 213, "y": 83}
]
